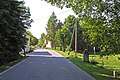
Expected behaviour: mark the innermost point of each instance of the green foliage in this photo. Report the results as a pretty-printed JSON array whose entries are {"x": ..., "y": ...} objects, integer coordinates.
[
  {"x": 52, "y": 26},
  {"x": 41, "y": 40},
  {"x": 33, "y": 40},
  {"x": 15, "y": 19},
  {"x": 63, "y": 35},
  {"x": 100, "y": 20}
]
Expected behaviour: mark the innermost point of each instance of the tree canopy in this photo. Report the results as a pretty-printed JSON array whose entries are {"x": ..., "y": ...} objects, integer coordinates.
[
  {"x": 99, "y": 20},
  {"x": 15, "y": 19},
  {"x": 52, "y": 26},
  {"x": 41, "y": 40}
]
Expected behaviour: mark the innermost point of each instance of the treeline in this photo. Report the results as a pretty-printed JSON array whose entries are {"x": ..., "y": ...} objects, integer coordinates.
[
  {"x": 33, "y": 41},
  {"x": 14, "y": 20},
  {"x": 97, "y": 24}
]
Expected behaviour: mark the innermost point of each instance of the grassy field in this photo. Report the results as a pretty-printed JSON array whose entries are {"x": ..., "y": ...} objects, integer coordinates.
[{"x": 99, "y": 71}]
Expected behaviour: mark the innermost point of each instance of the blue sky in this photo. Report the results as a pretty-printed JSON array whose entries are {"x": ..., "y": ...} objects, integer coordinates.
[{"x": 40, "y": 13}]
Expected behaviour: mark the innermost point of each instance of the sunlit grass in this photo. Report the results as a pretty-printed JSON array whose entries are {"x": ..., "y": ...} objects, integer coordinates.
[
  {"x": 110, "y": 62},
  {"x": 99, "y": 71}
]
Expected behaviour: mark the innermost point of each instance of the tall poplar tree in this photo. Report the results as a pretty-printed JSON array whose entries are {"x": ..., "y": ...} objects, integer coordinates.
[{"x": 51, "y": 29}]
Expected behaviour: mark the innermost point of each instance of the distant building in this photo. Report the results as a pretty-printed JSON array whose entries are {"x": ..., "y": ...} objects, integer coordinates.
[{"x": 47, "y": 44}]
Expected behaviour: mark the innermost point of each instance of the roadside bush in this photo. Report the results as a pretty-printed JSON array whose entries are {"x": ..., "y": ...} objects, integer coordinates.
[{"x": 32, "y": 48}]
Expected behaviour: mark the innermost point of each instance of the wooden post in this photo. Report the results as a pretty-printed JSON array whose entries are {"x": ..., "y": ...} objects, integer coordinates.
[
  {"x": 114, "y": 74},
  {"x": 94, "y": 54},
  {"x": 75, "y": 37}
]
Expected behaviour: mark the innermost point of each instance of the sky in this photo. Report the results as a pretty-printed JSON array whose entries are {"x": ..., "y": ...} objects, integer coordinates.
[{"x": 40, "y": 13}]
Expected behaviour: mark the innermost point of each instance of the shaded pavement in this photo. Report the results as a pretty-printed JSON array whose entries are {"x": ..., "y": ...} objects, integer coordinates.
[{"x": 45, "y": 65}]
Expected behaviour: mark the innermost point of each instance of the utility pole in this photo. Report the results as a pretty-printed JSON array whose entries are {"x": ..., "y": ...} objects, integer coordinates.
[{"x": 75, "y": 37}]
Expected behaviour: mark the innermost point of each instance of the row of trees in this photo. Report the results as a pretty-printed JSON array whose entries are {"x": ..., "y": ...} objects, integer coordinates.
[
  {"x": 15, "y": 19},
  {"x": 98, "y": 21},
  {"x": 86, "y": 37},
  {"x": 41, "y": 40},
  {"x": 33, "y": 39},
  {"x": 53, "y": 26},
  {"x": 60, "y": 34}
]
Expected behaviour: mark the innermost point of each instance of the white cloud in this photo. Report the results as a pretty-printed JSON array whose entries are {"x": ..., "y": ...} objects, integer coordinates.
[{"x": 40, "y": 12}]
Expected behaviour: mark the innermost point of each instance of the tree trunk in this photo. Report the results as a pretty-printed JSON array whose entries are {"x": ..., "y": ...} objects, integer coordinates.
[
  {"x": 55, "y": 45},
  {"x": 60, "y": 48},
  {"x": 52, "y": 45},
  {"x": 63, "y": 49},
  {"x": 24, "y": 52}
]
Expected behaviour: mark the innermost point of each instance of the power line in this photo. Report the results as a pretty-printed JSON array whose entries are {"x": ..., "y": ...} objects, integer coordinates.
[
  {"x": 56, "y": 14},
  {"x": 64, "y": 11}
]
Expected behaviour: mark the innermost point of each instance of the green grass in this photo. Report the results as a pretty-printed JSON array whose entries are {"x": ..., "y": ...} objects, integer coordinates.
[
  {"x": 110, "y": 62},
  {"x": 99, "y": 71},
  {"x": 8, "y": 65}
]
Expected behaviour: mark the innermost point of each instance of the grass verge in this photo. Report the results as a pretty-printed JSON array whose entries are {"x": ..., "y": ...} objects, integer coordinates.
[
  {"x": 97, "y": 71},
  {"x": 8, "y": 65}
]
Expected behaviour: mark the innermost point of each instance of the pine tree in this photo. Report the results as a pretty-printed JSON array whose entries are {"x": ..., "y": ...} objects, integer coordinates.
[{"x": 13, "y": 24}]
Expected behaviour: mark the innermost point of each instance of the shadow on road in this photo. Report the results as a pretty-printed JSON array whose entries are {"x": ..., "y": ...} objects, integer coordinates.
[
  {"x": 40, "y": 53},
  {"x": 44, "y": 65}
]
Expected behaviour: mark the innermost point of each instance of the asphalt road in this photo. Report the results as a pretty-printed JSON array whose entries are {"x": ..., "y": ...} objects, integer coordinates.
[{"x": 45, "y": 65}]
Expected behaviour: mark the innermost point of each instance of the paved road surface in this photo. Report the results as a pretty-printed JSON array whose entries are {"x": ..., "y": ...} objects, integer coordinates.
[{"x": 45, "y": 65}]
